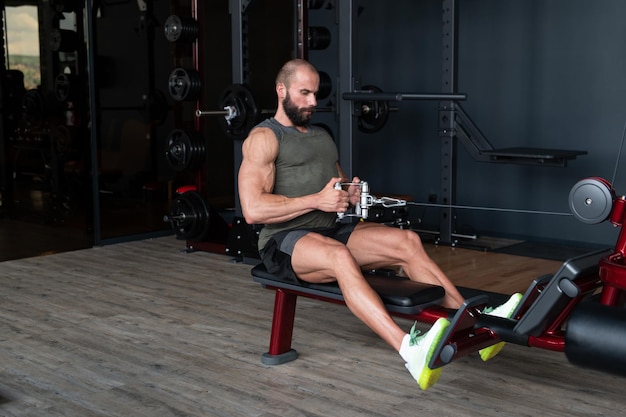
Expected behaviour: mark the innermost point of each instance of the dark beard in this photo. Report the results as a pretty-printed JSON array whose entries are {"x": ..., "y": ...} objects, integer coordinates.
[{"x": 296, "y": 115}]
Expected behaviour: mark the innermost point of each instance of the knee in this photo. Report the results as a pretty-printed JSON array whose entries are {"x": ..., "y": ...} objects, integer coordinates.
[
  {"x": 343, "y": 258},
  {"x": 410, "y": 243}
]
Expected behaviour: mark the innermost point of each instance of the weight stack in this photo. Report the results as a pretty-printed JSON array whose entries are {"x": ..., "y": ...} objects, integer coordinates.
[{"x": 596, "y": 338}]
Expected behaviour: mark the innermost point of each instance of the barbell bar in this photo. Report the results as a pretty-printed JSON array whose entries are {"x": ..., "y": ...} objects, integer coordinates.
[
  {"x": 369, "y": 94},
  {"x": 239, "y": 111}
]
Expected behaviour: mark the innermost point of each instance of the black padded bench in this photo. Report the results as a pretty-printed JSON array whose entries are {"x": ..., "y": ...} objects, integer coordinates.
[{"x": 401, "y": 296}]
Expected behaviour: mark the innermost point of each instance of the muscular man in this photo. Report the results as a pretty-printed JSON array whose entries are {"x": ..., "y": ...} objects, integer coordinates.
[{"x": 287, "y": 182}]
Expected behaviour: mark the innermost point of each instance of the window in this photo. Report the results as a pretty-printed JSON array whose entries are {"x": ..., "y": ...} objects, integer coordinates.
[{"x": 22, "y": 43}]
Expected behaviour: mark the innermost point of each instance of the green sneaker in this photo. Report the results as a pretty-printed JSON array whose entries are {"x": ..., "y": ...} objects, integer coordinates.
[
  {"x": 504, "y": 310},
  {"x": 422, "y": 349}
]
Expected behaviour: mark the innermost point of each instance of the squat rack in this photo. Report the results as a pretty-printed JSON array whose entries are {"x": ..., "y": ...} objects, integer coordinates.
[{"x": 454, "y": 123}]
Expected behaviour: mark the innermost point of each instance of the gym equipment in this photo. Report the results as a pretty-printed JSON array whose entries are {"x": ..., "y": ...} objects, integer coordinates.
[
  {"x": 579, "y": 310},
  {"x": 184, "y": 150},
  {"x": 238, "y": 101},
  {"x": 591, "y": 200},
  {"x": 326, "y": 86},
  {"x": 189, "y": 215},
  {"x": 192, "y": 219},
  {"x": 595, "y": 337},
  {"x": 181, "y": 29},
  {"x": 318, "y": 37},
  {"x": 374, "y": 113},
  {"x": 373, "y": 108},
  {"x": 185, "y": 84},
  {"x": 241, "y": 113}
]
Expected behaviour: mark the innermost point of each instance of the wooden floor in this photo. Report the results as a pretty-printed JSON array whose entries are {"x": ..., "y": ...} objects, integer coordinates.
[{"x": 141, "y": 329}]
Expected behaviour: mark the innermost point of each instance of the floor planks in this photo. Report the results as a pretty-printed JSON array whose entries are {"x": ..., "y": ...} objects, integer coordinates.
[{"x": 141, "y": 329}]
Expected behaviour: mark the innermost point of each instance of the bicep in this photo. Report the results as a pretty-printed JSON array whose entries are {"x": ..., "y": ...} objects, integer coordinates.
[{"x": 256, "y": 173}]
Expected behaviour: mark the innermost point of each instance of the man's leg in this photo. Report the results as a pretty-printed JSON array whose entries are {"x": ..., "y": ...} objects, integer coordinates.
[
  {"x": 319, "y": 259},
  {"x": 375, "y": 245}
]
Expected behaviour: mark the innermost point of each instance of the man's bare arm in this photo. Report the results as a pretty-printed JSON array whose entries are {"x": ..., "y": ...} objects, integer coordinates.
[{"x": 256, "y": 182}]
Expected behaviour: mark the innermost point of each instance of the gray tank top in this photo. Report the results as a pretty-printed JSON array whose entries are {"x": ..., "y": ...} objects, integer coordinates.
[{"x": 304, "y": 165}]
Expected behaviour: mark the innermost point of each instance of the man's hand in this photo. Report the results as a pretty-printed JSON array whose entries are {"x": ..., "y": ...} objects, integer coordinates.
[
  {"x": 354, "y": 191},
  {"x": 331, "y": 200}
]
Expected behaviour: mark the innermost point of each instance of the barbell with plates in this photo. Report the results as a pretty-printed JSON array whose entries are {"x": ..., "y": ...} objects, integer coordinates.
[
  {"x": 189, "y": 216},
  {"x": 374, "y": 113},
  {"x": 239, "y": 111},
  {"x": 184, "y": 150},
  {"x": 181, "y": 29}
]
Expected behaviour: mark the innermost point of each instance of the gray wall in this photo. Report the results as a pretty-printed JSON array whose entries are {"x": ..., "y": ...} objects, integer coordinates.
[{"x": 546, "y": 74}]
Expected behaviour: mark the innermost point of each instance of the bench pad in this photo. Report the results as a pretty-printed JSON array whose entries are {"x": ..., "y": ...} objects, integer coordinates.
[{"x": 399, "y": 294}]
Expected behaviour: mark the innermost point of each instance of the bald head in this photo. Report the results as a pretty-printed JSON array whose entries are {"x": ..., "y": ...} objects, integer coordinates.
[{"x": 288, "y": 71}]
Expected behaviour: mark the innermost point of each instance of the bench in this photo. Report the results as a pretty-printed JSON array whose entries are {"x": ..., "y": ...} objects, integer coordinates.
[
  {"x": 538, "y": 320},
  {"x": 401, "y": 296}
]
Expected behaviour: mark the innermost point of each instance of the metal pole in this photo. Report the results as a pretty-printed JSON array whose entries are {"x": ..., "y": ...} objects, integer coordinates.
[
  {"x": 363, "y": 95},
  {"x": 447, "y": 123},
  {"x": 237, "y": 29},
  {"x": 346, "y": 83}
]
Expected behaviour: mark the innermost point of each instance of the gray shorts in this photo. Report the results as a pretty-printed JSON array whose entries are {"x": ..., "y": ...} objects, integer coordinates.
[{"x": 276, "y": 255}]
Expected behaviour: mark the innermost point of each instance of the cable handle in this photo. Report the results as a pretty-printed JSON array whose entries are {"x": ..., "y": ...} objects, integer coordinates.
[
  {"x": 361, "y": 208},
  {"x": 367, "y": 200},
  {"x": 338, "y": 186}
]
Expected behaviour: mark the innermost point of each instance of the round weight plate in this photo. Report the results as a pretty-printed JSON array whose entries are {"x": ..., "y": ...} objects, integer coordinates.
[
  {"x": 185, "y": 84},
  {"x": 374, "y": 113},
  {"x": 319, "y": 37},
  {"x": 326, "y": 86},
  {"x": 239, "y": 97},
  {"x": 189, "y": 216},
  {"x": 179, "y": 29},
  {"x": 184, "y": 151},
  {"x": 591, "y": 200}
]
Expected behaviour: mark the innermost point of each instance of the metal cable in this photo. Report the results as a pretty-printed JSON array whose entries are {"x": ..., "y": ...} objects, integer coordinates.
[
  {"x": 618, "y": 155},
  {"x": 489, "y": 209}
]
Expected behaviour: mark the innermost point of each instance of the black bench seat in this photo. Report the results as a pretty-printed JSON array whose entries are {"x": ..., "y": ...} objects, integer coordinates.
[{"x": 401, "y": 296}]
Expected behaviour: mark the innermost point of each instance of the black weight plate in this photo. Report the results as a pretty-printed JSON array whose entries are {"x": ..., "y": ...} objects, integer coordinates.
[
  {"x": 374, "y": 113},
  {"x": 184, "y": 151},
  {"x": 185, "y": 84},
  {"x": 180, "y": 29},
  {"x": 189, "y": 216},
  {"x": 239, "y": 97}
]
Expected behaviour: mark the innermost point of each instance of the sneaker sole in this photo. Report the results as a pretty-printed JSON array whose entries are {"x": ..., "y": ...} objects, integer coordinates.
[
  {"x": 491, "y": 351},
  {"x": 427, "y": 377}
]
